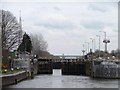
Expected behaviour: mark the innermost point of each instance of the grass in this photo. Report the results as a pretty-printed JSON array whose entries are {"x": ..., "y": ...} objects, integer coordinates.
[{"x": 10, "y": 71}]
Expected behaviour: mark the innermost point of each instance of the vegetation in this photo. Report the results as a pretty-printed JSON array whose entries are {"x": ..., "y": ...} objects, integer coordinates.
[
  {"x": 11, "y": 31},
  {"x": 113, "y": 53},
  {"x": 116, "y": 53},
  {"x": 11, "y": 34},
  {"x": 26, "y": 45},
  {"x": 6, "y": 72},
  {"x": 13, "y": 40},
  {"x": 39, "y": 46}
]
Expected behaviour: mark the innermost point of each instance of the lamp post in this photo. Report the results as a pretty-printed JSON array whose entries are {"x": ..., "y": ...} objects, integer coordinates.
[
  {"x": 83, "y": 50},
  {"x": 99, "y": 41},
  {"x": 92, "y": 43},
  {"x": 105, "y": 41},
  {"x": 87, "y": 46}
]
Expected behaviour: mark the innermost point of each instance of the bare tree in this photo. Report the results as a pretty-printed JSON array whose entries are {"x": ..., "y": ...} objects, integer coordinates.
[
  {"x": 11, "y": 31},
  {"x": 39, "y": 44}
]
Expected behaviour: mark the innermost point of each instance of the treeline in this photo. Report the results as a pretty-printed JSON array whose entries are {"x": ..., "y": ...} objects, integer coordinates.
[
  {"x": 113, "y": 54},
  {"x": 34, "y": 44}
]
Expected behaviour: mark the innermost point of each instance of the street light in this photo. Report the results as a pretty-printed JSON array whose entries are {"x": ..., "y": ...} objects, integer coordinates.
[
  {"x": 93, "y": 43},
  {"x": 83, "y": 50},
  {"x": 87, "y": 46},
  {"x": 99, "y": 41},
  {"x": 105, "y": 40}
]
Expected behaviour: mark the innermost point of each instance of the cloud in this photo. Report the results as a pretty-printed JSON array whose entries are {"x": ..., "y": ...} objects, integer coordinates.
[
  {"x": 98, "y": 7},
  {"x": 110, "y": 32},
  {"x": 54, "y": 21},
  {"x": 66, "y": 26},
  {"x": 54, "y": 25},
  {"x": 60, "y": 1},
  {"x": 93, "y": 25},
  {"x": 57, "y": 8}
]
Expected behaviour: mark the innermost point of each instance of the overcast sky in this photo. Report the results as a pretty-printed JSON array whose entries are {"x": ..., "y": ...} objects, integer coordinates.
[{"x": 66, "y": 26}]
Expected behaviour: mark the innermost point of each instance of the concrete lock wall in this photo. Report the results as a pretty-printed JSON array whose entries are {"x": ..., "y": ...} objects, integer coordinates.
[
  {"x": 35, "y": 67},
  {"x": 13, "y": 78},
  {"x": 45, "y": 66},
  {"x": 106, "y": 70}
]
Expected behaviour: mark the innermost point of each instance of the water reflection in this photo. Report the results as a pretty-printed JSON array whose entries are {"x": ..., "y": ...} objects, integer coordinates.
[{"x": 66, "y": 81}]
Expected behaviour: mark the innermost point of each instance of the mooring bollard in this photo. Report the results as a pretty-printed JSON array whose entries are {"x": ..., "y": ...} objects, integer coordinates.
[
  {"x": 32, "y": 75},
  {"x": 16, "y": 81}
]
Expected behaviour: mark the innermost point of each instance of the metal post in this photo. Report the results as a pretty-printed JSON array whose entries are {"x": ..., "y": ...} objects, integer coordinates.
[
  {"x": 99, "y": 43},
  {"x": 83, "y": 50},
  {"x": 92, "y": 43},
  {"x": 87, "y": 47},
  {"x": 105, "y": 42}
]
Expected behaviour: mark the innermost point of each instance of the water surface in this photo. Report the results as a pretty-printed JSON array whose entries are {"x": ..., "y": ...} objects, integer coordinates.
[{"x": 66, "y": 81}]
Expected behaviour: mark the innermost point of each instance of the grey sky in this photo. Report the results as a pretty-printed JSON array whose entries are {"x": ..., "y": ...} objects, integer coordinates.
[{"x": 66, "y": 26}]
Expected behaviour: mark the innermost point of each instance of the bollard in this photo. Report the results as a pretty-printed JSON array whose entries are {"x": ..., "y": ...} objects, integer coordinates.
[
  {"x": 16, "y": 81},
  {"x": 32, "y": 75}
]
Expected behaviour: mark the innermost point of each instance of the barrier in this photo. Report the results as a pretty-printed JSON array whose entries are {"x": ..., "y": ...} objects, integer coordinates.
[{"x": 13, "y": 78}]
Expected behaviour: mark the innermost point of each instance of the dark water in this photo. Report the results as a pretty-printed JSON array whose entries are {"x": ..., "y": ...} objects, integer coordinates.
[{"x": 66, "y": 81}]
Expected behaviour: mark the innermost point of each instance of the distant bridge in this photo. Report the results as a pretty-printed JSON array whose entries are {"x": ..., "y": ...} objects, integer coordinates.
[
  {"x": 57, "y": 60},
  {"x": 69, "y": 56},
  {"x": 60, "y": 57}
]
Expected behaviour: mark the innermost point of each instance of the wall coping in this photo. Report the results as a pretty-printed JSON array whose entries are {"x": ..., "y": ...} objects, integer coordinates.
[{"x": 12, "y": 74}]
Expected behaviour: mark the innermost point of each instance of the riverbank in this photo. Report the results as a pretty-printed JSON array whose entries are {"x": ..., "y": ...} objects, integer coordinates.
[{"x": 13, "y": 78}]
